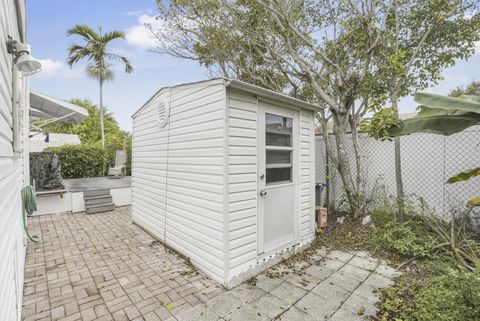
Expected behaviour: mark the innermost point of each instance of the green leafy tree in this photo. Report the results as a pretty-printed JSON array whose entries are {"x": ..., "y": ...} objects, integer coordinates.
[
  {"x": 95, "y": 51},
  {"x": 332, "y": 53},
  {"x": 422, "y": 39},
  {"x": 89, "y": 131},
  {"x": 472, "y": 89},
  {"x": 310, "y": 49}
]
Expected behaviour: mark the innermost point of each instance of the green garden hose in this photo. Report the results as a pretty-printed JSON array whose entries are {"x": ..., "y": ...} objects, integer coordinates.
[{"x": 29, "y": 205}]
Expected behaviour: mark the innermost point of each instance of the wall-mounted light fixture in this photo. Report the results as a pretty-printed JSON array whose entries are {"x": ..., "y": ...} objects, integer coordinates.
[{"x": 22, "y": 58}]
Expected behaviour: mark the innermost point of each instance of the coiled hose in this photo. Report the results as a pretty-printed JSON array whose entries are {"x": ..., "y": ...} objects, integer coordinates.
[{"x": 29, "y": 205}]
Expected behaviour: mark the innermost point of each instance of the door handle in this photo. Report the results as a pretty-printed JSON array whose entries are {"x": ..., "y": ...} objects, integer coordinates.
[{"x": 263, "y": 192}]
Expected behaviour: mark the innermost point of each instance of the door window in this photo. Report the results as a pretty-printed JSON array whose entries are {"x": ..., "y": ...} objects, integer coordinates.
[{"x": 278, "y": 149}]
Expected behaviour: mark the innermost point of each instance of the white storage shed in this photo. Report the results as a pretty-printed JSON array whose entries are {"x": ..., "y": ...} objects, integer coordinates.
[{"x": 224, "y": 173}]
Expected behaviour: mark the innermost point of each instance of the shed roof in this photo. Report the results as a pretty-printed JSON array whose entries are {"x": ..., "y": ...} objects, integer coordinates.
[{"x": 246, "y": 87}]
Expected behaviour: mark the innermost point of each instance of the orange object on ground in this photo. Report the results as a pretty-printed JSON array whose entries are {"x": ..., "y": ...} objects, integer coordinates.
[{"x": 321, "y": 216}]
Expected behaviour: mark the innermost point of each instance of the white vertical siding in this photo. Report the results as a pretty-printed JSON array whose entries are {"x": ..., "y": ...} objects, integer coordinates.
[
  {"x": 307, "y": 175},
  {"x": 194, "y": 182},
  {"x": 242, "y": 162},
  {"x": 185, "y": 194},
  {"x": 11, "y": 172},
  {"x": 242, "y": 186}
]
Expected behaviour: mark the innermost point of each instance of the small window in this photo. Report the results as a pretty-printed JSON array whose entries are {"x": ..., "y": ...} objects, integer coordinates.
[
  {"x": 278, "y": 149},
  {"x": 278, "y": 130},
  {"x": 279, "y": 175},
  {"x": 278, "y": 157}
]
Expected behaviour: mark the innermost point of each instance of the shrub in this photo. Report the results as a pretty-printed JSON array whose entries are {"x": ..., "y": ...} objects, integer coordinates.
[
  {"x": 383, "y": 215},
  {"x": 436, "y": 291},
  {"x": 408, "y": 239},
  {"x": 454, "y": 296},
  {"x": 439, "y": 292},
  {"x": 79, "y": 161}
]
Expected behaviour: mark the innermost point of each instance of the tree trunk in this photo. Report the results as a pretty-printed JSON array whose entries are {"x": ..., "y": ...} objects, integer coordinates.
[
  {"x": 343, "y": 164},
  {"x": 340, "y": 158},
  {"x": 101, "y": 113},
  {"x": 398, "y": 171},
  {"x": 359, "y": 162}
]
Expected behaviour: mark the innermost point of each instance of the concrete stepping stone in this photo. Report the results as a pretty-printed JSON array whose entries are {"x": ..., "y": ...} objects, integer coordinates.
[
  {"x": 379, "y": 281},
  {"x": 267, "y": 283},
  {"x": 315, "y": 306},
  {"x": 247, "y": 292},
  {"x": 320, "y": 272},
  {"x": 331, "y": 292},
  {"x": 365, "y": 263},
  {"x": 343, "y": 281},
  {"x": 295, "y": 314},
  {"x": 225, "y": 304},
  {"x": 331, "y": 264},
  {"x": 354, "y": 272},
  {"x": 288, "y": 292},
  {"x": 346, "y": 315},
  {"x": 340, "y": 256},
  {"x": 197, "y": 313},
  {"x": 360, "y": 305}
]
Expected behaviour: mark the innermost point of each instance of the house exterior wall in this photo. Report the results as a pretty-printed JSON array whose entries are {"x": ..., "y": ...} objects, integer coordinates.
[
  {"x": 13, "y": 156},
  {"x": 242, "y": 114},
  {"x": 178, "y": 173}
]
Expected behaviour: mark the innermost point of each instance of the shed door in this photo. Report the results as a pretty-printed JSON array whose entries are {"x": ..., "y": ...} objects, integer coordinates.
[{"x": 277, "y": 181}]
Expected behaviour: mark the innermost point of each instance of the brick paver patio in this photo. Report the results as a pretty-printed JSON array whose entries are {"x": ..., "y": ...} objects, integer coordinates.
[{"x": 102, "y": 267}]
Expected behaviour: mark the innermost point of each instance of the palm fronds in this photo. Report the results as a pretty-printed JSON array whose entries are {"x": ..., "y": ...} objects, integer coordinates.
[{"x": 95, "y": 52}]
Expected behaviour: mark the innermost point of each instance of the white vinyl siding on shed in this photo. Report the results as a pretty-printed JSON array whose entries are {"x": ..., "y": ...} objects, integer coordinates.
[
  {"x": 307, "y": 175},
  {"x": 178, "y": 171},
  {"x": 242, "y": 162},
  {"x": 195, "y": 180},
  {"x": 12, "y": 171}
]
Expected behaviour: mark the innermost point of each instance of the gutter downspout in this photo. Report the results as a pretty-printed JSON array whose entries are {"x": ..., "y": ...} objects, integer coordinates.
[
  {"x": 15, "y": 113},
  {"x": 20, "y": 20}
]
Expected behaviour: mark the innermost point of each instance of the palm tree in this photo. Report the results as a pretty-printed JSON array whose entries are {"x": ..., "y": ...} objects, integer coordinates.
[{"x": 99, "y": 59}]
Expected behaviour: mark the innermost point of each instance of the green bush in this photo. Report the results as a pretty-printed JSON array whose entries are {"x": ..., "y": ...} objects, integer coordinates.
[
  {"x": 409, "y": 239},
  {"x": 383, "y": 215},
  {"x": 439, "y": 292},
  {"x": 454, "y": 296},
  {"x": 79, "y": 161}
]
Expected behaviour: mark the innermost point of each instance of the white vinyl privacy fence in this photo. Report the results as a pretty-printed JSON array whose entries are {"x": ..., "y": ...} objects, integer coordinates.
[{"x": 427, "y": 162}]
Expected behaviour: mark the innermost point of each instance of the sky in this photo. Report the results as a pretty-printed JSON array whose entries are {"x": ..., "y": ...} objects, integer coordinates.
[{"x": 48, "y": 21}]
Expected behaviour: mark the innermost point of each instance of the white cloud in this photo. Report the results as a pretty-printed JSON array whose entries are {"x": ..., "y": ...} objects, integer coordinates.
[
  {"x": 57, "y": 69},
  {"x": 477, "y": 47},
  {"x": 139, "y": 12},
  {"x": 140, "y": 36}
]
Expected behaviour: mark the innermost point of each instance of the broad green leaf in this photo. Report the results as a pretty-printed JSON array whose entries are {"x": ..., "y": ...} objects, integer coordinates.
[
  {"x": 437, "y": 124},
  {"x": 471, "y": 98},
  {"x": 425, "y": 111},
  {"x": 464, "y": 176},
  {"x": 449, "y": 103}
]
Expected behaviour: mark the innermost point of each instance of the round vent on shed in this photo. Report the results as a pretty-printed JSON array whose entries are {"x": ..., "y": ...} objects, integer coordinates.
[{"x": 163, "y": 112}]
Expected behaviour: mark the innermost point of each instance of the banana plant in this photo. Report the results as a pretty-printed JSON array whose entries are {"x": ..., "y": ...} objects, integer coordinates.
[
  {"x": 443, "y": 115},
  {"x": 440, "y": 115}
]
